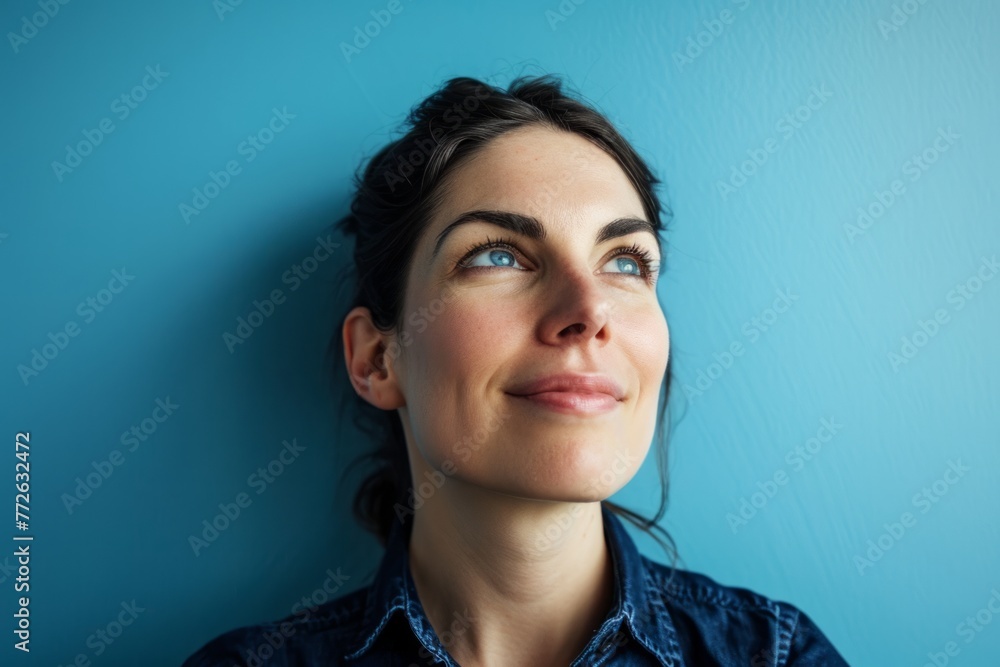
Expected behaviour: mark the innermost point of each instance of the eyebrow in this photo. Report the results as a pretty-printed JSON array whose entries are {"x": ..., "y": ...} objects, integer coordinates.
[{"x": 525, "y": 225}]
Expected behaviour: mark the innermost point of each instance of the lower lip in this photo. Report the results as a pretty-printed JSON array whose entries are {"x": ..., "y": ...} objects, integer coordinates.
[{"x": 573, "y": 403}]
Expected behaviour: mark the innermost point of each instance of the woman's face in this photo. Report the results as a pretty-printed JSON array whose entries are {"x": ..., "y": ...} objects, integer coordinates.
[{"x": 564, "y": 304}]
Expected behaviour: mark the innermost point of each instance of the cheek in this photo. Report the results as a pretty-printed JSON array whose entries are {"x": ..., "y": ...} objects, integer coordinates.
[
  {"x": 450, "y": 370},
  {"x": 462, "y": 344},
  {"x": 648, "y": 345}
]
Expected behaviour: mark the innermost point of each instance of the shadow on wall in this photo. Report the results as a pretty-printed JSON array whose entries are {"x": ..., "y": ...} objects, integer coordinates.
[{"x": 270, "y": 364}]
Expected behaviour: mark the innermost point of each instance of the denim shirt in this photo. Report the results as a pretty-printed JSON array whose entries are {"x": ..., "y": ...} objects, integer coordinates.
[{"x": 656, "y": 620}]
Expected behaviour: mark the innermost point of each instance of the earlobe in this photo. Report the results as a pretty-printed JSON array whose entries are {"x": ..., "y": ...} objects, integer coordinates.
[{"x": 365, "y": 356}]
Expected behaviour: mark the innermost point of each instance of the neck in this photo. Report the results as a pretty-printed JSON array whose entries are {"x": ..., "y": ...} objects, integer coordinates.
[{"x": 489, "y": 566}]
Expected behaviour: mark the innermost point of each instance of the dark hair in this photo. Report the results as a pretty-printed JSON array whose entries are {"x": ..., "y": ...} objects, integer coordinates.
[{"x": 391, "y": 208}]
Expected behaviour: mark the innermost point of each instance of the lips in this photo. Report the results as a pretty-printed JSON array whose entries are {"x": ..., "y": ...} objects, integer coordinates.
[{"x": 571, "y": 384}]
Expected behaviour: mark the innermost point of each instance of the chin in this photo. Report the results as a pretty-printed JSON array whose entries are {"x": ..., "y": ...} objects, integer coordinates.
[
  {"x": 572, "y": 493},
  {"x": 593, "y": 485}
]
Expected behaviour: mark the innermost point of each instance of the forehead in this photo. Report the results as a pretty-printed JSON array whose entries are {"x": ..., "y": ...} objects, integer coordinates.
[{"x": 559, "y": 177}]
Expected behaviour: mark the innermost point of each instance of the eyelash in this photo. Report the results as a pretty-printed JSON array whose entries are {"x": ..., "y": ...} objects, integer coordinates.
[{"x": 643, "y": 256}]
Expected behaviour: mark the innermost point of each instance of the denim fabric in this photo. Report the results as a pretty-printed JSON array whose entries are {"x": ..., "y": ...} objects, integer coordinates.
[{"x": 656, "y": 620}]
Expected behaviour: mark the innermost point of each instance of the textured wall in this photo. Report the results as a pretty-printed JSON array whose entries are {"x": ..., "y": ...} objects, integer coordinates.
[{"x": 831, "y": 290}]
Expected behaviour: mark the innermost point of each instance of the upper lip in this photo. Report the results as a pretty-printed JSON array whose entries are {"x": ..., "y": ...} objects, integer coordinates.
[{"x": 570, "y": 382}]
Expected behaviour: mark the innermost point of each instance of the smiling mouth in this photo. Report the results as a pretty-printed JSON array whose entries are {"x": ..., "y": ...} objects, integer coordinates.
[{"x": 572, "y": 402}]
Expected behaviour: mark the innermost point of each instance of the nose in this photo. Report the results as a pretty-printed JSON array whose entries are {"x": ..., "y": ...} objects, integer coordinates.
[{"x": 578, "y": 307}]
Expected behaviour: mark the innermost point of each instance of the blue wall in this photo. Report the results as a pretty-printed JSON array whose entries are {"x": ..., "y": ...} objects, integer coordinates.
[{"x": 831, "y": 293}]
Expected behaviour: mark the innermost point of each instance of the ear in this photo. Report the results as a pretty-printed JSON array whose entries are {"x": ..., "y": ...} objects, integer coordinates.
[{"x": 368, "y": 366}]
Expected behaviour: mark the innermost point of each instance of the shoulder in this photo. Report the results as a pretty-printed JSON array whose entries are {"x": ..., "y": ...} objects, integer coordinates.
[
  {"x": 298, "y": 638},
  {"x": 732, "y": 623},
  {"x": 695, "y": 590}
]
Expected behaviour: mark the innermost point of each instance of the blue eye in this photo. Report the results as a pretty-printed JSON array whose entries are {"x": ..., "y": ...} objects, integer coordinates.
[
  {"x": 626, "y": 264},
  {"x": 630, "y": 261},
  {"x": 635, "y": 260},
  {"x": 495, "y": 257},
  {"x": 502, "y": 253}
]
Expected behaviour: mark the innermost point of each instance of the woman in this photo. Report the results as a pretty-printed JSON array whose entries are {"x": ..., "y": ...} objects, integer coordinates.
[{"x": 507, "y": 343}]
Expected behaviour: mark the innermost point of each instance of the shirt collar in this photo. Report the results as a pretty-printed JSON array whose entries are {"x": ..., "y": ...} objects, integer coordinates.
[{"x": 644, "y": 615}]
